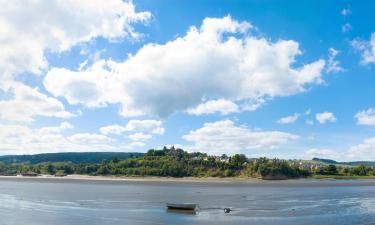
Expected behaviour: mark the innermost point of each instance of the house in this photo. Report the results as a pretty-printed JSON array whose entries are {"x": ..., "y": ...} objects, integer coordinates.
[{"x": 30, "y": 174}]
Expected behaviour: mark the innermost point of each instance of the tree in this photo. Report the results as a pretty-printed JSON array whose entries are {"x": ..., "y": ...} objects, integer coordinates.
[
  {"x": 330, "y": 170},
  {"x": 360, "y": 170},
  {"x": 238, "y": 160},
  {"x": 50, "y": 168}
]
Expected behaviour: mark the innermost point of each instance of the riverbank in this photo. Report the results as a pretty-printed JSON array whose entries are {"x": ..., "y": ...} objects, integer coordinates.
[
  {"x": 302, "y": 182},
  {"x": 137, "y": 178}
]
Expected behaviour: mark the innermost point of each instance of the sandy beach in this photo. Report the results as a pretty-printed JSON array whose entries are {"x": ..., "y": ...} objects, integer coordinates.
[
  {"x": 304, "y": 182},
  {"x": 137, "y": 179}
]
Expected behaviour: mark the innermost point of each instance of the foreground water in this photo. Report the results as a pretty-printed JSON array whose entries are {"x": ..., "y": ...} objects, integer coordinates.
[{"x": 43, "y": 201}]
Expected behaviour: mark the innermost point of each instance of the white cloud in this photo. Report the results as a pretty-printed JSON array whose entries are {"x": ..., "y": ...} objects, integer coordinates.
[
  {"x": 366, "y": 48},
  {"x": 112, "y": 129},
  {"x": 141, "y": 130},
  {"x": 18, "y": 139},
  {"x": 346, "y": 27},
  {"x": 63, "y": 126},
  {"x": 252, "y": 104},
  {"x": 219, "y": 60},
  {"x": 289, "y": 119},
  {"x": 224, "y": 137},
  {"x": 363, "y": 151},
  {"x": 148, "y": 126},
  {"x": 366, "y": 117},
  {"x": 89, "y": 138},
  {"x": 215, "y": 106},
  {"x": 92, "y": 88},
  {"x": 151, "y": 126},
  {"x": 333, "y": 65},
  {"x": 140, "y": 136},
  {"x": 28, "y": 28},
  {"x": 325, "y": 117},
  {"x": 27, "y": 103},
  {"x": 321, "y": 153}
]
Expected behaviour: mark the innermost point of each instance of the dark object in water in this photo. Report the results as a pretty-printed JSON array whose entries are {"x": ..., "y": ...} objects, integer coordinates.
[
  {"x": 184, "y": 206},
  {"x": 227, "y": 210},
  {"x": 187, "y": 212}
]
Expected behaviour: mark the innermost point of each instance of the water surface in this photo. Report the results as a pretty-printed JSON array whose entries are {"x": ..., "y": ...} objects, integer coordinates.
[{"x": 48, "y": 201}]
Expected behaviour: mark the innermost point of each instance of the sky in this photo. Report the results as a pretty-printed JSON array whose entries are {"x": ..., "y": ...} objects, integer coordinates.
[{"x": 287, "y": 79}]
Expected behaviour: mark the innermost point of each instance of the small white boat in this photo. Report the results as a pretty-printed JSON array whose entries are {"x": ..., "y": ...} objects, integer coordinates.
[{"x": 183, "y": 206}]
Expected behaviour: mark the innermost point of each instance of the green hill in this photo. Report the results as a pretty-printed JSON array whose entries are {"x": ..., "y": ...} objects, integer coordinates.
[
  {"x": 356, "y": 163},
  {"x": 74, "y": 157}
]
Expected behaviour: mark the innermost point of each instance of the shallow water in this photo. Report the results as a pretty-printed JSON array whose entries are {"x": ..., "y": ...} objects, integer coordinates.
[{"x": 44, "y": 201}]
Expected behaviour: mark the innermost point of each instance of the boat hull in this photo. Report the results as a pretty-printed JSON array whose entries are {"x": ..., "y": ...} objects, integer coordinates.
[{"x": 187, "y": 206}]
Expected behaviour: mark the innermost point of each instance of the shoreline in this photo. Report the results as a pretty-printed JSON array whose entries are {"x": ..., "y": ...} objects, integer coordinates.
[
  {"x": 140, "y": 178},
  {"x": 242, "y": 181}
]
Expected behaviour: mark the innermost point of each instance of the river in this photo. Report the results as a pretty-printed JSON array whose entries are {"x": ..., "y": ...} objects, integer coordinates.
[{"x": 63, "y": 201}]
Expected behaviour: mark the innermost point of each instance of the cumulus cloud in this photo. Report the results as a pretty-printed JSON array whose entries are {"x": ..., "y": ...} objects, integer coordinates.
[
  {"x": 333, "y": 65},
  {"x": 112, "y": 129},
  {"x": 366, "y": 117},
  {"x": 363, "y": 151},
  {"x": 63, "y": 126},
  {"x": 89, "y": 138},
  {"x": 225, "y": 137},
  {"x": 53, "y": 26},
  {"x": 289, "y": 119},
  {"x": 141, "y": 130},
  {"x": 26, "y": 103},
  {"x": 93, "y": 87},
  {"x": 57, "y": 26},
  {"x": 366, "y": 48},
  {"x": 219, "y": 61},
  {"x": 221, "y": 106},
  {"x": 325, "y": 117},
  {"x": 149, "y": 126},
  {"x": 20, "y": 139}
]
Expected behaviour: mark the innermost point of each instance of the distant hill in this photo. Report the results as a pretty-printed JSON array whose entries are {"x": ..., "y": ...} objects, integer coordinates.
[
  {"x": 74, "y": 157},
  {"x": 356, "y": 163},
  {"x": 328, "y": 161}
]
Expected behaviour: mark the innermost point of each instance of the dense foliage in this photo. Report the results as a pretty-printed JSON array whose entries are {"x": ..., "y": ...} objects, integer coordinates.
[
  {"x": 178, "y": 163},
  {"x": 74, "y": 157}
]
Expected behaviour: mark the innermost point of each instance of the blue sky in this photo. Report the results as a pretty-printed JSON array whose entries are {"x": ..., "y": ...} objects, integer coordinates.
[{"x": 291, "y": 79}]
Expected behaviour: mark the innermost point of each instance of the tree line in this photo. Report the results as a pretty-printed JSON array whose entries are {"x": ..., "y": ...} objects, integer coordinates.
[{"x": 174, "y": 162}]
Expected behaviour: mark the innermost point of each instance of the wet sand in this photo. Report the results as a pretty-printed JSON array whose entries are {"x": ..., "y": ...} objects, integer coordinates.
[{"x": 142, "y": 201}]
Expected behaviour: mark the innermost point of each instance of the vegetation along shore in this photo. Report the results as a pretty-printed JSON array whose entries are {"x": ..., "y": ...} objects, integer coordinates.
[{"x": 172, "y": 162}]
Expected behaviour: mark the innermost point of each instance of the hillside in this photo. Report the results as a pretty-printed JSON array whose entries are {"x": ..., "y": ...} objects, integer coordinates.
[
  {"x": 74, "y": 157},
  {"x": 356, "y": 163}
]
